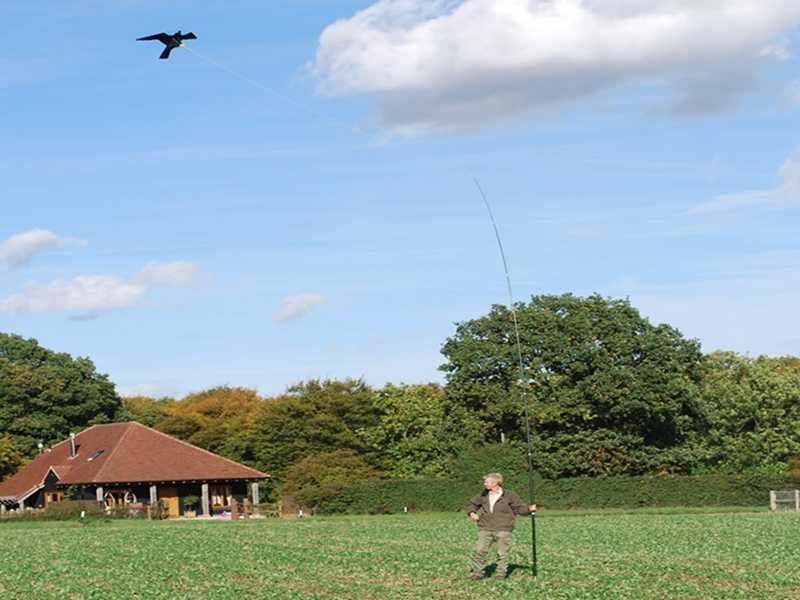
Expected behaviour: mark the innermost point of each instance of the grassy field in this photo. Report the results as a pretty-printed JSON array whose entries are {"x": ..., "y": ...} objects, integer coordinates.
[{"x": 599, "y": 555}]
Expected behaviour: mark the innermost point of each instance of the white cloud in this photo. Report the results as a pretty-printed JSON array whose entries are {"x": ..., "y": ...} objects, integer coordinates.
[
  {"x": 787, "y": 191},
  {"x": 454, "y": 64},
  {"x": 86, "y": 297},
  {"x": 177, "y": 273},
  {"x": 20, "y": 248},
  {"x": 85, "y": 294},
  {"x": 296, "y": 307}
]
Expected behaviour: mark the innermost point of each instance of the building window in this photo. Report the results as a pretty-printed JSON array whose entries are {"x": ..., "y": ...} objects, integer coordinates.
[
  {"x": 95, "y": 455},
  {"x": 219, "y": 495},
  {"x": 119, "y": 498},
  {"x": 53, "y": 497}
]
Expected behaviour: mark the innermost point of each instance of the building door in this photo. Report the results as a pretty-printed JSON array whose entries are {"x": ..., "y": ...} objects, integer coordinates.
[{"x": 170, "y": 497}]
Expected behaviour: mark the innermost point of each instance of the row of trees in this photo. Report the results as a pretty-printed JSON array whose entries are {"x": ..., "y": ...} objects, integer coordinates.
[{"x": 610, "y": 393}]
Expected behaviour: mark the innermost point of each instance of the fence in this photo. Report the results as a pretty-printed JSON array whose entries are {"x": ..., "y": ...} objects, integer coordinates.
[
  {"x": 247, "y": 510},
  {"x": 784, "y": 500}
]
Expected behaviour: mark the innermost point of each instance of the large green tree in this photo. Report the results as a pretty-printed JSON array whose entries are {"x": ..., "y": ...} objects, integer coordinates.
[
  {"x": 220, "y": 419},
  {"x": 10, "y": 458},
  {"x": 609, "y": 391},
  {"x": 752, "y": 406},
  {"x": 145, "y": 410},
  {"x": 311, "y": 418},
  {"x": 45, "y": 395},
  {"x": 414, "y": 436}
]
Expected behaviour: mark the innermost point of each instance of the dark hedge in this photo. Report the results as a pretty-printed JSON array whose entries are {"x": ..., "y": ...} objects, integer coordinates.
[{"x": 391, "y": 496}]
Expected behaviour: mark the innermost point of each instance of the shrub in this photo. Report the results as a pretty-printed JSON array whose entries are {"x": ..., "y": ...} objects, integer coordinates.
[
  {"x": 62, "y": 511},
  {"x": 308, "y": 481},
  {"x": 72, "y": 509}
]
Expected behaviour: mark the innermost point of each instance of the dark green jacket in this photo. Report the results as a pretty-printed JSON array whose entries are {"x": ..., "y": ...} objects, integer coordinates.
[{"x": 506, "y": 509}]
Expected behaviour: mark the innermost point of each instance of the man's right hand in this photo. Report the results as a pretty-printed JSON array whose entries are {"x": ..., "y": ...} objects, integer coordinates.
[{"x": 474, "y": 516}]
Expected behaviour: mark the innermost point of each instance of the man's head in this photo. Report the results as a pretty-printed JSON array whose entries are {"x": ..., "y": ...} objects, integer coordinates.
[{"x": 492, "y": 481}]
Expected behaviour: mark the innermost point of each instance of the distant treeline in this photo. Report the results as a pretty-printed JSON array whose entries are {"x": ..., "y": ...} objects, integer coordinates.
[{"x": 610, "y": 394}]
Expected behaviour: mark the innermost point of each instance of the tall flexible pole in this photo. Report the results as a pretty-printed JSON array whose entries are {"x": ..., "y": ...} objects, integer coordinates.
[{"x": 523, "y": 387}]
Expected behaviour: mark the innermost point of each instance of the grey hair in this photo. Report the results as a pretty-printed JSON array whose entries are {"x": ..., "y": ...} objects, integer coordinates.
[{"x": 496, "y": 476}]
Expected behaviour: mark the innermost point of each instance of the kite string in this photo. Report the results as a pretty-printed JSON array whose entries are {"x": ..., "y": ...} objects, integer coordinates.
[
  {"x": 512, "y": 305},
  {"x": 276, "y": 93}
]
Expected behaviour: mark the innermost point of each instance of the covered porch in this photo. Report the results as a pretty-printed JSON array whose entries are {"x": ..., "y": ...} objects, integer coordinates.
[{"x": 189, "y": 499}]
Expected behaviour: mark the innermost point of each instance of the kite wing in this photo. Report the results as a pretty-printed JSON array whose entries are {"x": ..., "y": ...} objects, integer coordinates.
[
  {"x": 161, "y": 37},
  {"x": 170, "y": 41}
]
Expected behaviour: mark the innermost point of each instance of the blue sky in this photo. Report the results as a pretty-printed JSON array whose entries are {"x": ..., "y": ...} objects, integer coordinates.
[{"x": 291, "y": 196}]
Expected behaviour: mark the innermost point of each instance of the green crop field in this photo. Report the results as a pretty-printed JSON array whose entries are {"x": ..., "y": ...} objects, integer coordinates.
[{"x": 603, "y": 555}]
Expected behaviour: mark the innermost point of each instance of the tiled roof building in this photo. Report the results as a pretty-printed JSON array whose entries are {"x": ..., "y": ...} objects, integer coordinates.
[{"x": 123, "y": 463}]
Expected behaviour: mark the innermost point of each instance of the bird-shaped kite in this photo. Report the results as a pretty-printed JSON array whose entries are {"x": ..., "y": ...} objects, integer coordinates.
[{"x": 170, "y": 41}]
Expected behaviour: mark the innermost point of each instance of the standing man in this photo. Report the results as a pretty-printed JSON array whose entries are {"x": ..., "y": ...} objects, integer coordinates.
[{"x": 494, "y": 511}]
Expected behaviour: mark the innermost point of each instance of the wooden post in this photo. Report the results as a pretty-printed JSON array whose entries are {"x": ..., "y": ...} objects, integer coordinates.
[
  {"x": 153, "y": 494},
  {"x": 773, "y": 504},
  {"x": 254, "y": 492},
  {"x": 797, "y": 500},
  {"x": 206, "y": 507}
]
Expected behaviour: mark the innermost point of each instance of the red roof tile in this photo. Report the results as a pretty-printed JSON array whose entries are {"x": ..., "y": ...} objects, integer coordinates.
[{"x": 124, "y": 453}]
